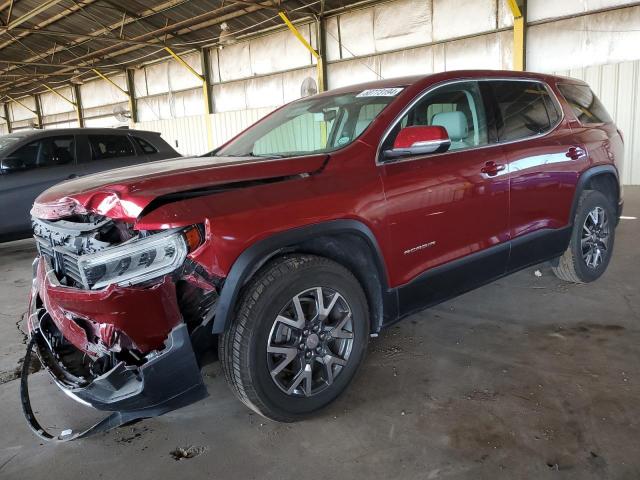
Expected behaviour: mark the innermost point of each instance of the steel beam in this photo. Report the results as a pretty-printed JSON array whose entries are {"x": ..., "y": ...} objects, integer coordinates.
[
  {"x": 131, "y": 89},
  {"x": 7, "y": 117},
  {"x": 205, "y": 66},
  {"x": 32, "y": 13},
  {"x": 36, "y": 102},
  {"x": 78, "y": 103}
]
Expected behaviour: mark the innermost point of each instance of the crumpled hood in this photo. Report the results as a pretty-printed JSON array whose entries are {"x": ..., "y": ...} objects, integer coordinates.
[{"x": 125, "y": 192}]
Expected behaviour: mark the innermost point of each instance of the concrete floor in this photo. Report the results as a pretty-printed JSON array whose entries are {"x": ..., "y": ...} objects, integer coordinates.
[{"x": 526, "y": 378}]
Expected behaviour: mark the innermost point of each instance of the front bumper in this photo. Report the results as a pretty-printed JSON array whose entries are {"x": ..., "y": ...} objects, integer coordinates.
[{"x": 166, "y": 378}]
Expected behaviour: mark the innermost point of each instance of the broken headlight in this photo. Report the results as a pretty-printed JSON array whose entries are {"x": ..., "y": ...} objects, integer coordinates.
[{"x": 134, "y": 261}]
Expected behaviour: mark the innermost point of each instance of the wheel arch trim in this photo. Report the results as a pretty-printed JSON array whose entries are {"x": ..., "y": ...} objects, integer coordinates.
[
  {"x": 255, "y": 256},
  {"x": 584, "y": 179}
]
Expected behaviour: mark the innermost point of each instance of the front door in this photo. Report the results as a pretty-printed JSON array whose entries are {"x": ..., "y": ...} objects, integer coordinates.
[
  {"x": 447, "y": 212},
  {"x": 38, "y": 165}
]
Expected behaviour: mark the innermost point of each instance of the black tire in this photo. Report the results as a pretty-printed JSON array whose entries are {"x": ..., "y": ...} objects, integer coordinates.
[
  {"x": 571, "y": 266},
  {"x": 243, "y": 346}
]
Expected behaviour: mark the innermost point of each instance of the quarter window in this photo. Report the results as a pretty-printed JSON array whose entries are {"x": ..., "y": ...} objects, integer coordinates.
[
  {"x": 110, "y": 146},
  {"x": 525, "y": 109},
  {"x": 145, "y": 146},
  {"x": 584, "y": 103},
  {"x": 457, "y": 107}
]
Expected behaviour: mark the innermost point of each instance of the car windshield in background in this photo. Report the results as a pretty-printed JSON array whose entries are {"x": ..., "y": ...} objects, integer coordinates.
[
  {"x": 7, "y": 142},
  {"x": 314, "y": 125}
]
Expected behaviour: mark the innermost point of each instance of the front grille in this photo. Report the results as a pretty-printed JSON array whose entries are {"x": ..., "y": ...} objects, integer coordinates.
[{"x": 64, "y": 263}]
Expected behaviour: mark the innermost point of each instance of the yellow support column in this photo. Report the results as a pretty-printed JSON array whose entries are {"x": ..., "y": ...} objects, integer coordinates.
[
  {"x": 518, "y": 36},
  {"x": 314, "y": 52}
]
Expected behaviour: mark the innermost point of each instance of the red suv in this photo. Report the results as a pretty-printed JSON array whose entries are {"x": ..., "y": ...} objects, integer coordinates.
[{"x": 326, "y": 221}]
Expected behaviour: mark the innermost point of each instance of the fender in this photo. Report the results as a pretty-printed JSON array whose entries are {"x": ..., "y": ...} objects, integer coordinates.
[
  {"x": 256, "y": 255},
  {"x": 584, "y": 179}
]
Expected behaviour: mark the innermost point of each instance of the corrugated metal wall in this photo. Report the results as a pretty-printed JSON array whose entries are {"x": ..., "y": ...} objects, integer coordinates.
[
  {"x": 188, "y": 135},
  {"x": 618, "y": 86}
]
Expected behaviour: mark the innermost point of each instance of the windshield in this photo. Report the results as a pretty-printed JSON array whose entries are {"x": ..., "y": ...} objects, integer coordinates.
[
  {"x": 7, "y": 142},
  {"x": 313, "y": 125}
]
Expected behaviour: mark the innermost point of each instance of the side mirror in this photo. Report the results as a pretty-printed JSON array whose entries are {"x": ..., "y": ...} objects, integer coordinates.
[
  {"x": 419, "y": 140},
  {"x": 12, "y": 164}
]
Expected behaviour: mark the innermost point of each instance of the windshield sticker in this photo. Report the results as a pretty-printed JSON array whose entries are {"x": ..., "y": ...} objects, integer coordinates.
[{"x": 380, "y": 92}]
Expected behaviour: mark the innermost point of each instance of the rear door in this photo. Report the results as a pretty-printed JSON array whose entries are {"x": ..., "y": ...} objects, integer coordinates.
[
  {"x": 108, "y": 151},
  {"x": 543, "y": 161},
  {"x": 42, "y": 164},
  {"x": 445, "y": 209}
]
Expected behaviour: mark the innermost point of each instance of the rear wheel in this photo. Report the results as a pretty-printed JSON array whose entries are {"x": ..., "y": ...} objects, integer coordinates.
[
  {"x": 299, "y": 335},
  {"x": 592, "y": 240}
]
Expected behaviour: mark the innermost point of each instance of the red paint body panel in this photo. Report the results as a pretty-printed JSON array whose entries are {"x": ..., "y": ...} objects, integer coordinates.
[
  {"x": 424, "y": 212},
  {"x": 144, "y": 315},
  {"x": 125, "y": 192}
]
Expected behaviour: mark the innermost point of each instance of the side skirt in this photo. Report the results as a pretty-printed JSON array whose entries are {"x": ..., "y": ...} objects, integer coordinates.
[{"x": 465, "y": 274}]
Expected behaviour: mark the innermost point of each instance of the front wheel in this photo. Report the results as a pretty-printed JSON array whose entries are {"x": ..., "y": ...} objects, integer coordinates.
[
  {"x": 299, "y": 335},
  {"x": 592, "y": 238}
]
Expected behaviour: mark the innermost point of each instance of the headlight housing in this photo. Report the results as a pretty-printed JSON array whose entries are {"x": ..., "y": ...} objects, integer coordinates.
[{"x": 135, "y": 261}]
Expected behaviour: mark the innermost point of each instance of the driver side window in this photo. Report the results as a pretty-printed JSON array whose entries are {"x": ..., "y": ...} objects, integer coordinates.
[{"x": 458, "y": 107}]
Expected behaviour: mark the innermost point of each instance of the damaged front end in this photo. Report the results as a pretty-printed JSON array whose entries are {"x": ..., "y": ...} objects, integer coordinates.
[{"x": 117, "y": 317}]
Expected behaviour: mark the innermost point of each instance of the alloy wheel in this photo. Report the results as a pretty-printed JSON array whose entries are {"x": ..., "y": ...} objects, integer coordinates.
[
  {"x": 595, "y": 237},
  {"x": 310, "y": 342}
]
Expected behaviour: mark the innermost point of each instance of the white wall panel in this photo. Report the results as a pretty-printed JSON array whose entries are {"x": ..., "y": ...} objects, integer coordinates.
[
  {"x": 235, "y": 62},
  {"x": 618, "y": 86},
  {"x": 333, "y": 38},
  {"x": 140, "y": 82},
  {"x": 230, "y": 96},
  {"x": 458, "y": 18},
  {"x": 18, "y": 112},
  {"x": 505, "y": 17},
  {"x": 407, "y": 62},
  {"x": 401, "y": 24},
  {"x": 278, "y": 52},
  {"x": 353, "y": 71},
  {"x": 356, "y": 32},
  {"x": 544, "y": 9},
  {"x": 188, "y": 135},
  {"x": 180, "y": 78},
  {"x": 102, "y": 122},
  {"x": 228, "y": 124},
  {"x": 100, "y": 92},
  {"x": 602, "y": 38},
  {"x": 51, "y": 104},
  {"x": 157, "y": 78},
  {"x": 292, "y": 83},
  {"x": 483, "y": 52},
  {"x": 265, "y": 92}
]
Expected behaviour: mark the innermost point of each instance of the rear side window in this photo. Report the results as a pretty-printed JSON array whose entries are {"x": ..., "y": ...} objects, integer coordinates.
[
  {"x": 110, "y": 146},
  {"x": 145, "y": 146},
  {"x": 524, "y": 109},
  {"x": 585, "y": 104}
]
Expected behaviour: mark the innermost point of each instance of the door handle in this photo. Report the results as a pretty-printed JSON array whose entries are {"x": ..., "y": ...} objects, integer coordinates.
[
  {"x": 73, "y": 175},
  {"x": 492, "y": 168},
  {"x": 575, "y": 153}
]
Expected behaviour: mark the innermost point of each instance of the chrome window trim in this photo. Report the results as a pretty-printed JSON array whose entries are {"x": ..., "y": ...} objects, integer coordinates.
[{"x": 421, "y": 95}]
